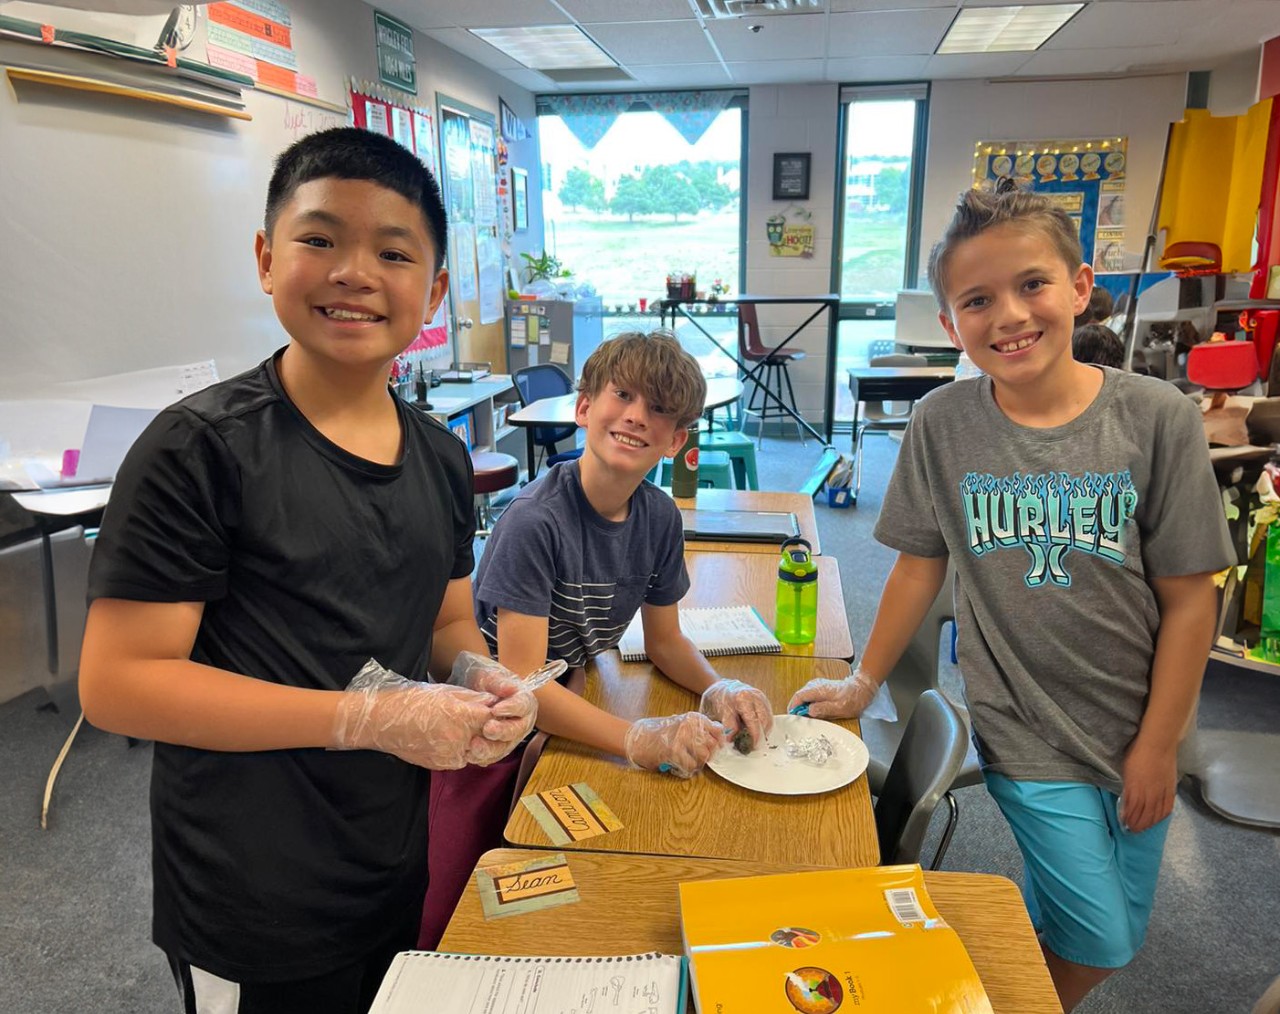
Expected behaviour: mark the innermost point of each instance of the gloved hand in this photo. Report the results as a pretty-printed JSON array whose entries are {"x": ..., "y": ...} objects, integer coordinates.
[
  {"x": 846, "y": 698},
  {"x": 737, "y": 705},
  {"x": 685, "y": 742},
  {"x": 433, "y": 725},
  {"x": 514, "y": 713}
]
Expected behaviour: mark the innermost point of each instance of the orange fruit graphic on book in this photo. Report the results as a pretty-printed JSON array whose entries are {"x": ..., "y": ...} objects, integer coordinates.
[{"x": 814, "y": 990}]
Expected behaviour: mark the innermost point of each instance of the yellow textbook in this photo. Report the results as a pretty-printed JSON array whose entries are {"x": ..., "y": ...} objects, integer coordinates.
[{"x": 864, "y": 940}]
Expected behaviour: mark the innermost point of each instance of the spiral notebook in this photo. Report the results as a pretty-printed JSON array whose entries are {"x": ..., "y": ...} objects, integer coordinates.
[
  {"x": 722, "y": 630},
  {"x": 420, "y": 982}
]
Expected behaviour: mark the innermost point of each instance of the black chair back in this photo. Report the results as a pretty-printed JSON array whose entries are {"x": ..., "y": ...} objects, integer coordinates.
[{"x": 545, "y": 380}]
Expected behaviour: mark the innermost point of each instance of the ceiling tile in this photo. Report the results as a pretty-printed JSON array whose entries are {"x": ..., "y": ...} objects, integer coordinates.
[
  {"x": 887, "y": 33},
  {"x": 783, "y": 37},
  {"x": 878, "y": 68},
  {"x": 469, "y": 14},
  {"x": 777, "y": 71},
  {"x": 462, "y": 41},
  {"x": 685, "y": 75},
  {"x": 642, "y": 43},
  {"x": 590, "y": 12},
  {"x": 845, "y": 6},
  {"x": 1072, "y": 62},
  {"x": 1148, "y": 24},
  {"x": 969, "y": 65},
  {"x": 531, "y": 80}
]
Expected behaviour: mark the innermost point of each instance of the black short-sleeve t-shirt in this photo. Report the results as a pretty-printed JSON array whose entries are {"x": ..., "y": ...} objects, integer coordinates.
[{"x": 281, "y": 864}]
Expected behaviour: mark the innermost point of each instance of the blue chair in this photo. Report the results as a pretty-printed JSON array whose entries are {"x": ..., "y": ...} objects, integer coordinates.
[{"x": 545, "y": 380}]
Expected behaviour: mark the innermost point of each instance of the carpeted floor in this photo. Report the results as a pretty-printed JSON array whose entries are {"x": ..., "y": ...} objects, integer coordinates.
[{"x": 74, "y": 915}]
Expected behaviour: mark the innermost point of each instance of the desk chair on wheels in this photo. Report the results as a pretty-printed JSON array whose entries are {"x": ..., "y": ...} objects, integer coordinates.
[
  {"x": 774, "y": 375},
  {"x": 546, "y": 380},
  {"x": 931, "y": 753},
  {"x": 880, "y": 416},
  {"x": 915, "y": 673}
]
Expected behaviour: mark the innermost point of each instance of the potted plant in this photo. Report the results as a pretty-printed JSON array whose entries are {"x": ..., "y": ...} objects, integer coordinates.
[{"x": 546, "y": 267}]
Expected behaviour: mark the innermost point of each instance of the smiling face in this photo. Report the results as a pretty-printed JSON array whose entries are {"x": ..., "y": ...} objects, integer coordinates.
[
  {"x": 1012, "y": 302},
  {"x": 626, "y": 433},
  {"x": 350, "y": 268}
]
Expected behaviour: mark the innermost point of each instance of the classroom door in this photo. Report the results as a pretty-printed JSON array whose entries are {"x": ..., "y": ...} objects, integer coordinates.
[{"x": 477, "y": 275}]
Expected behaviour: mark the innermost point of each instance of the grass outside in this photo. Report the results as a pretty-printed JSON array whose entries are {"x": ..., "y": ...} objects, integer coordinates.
[{"x": 629, "y": 260}]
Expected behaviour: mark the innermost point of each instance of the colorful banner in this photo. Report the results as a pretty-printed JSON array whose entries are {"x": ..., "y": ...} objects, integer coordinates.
[{"x": 1085, "y": 178}]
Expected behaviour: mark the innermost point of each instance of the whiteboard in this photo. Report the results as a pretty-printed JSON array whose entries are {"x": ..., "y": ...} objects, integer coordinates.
[{"x": 126, "y": 227}]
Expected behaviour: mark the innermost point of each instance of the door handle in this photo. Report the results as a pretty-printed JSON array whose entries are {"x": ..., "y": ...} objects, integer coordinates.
[{"x": 464, "y": 322}]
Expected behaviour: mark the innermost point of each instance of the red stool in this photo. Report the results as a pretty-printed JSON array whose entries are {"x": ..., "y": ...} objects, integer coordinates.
[
  {"x": 494, "y": 472},
  {"x": 769, "y": 387}
]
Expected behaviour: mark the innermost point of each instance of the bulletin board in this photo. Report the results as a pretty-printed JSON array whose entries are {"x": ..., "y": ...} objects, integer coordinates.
[
  {"x": 382, "y": 111},
  {"x": 1085, "y": 178}
]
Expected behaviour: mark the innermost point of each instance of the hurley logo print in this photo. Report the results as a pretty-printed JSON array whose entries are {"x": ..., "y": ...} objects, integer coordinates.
[{"x": 1049, "y": 515}]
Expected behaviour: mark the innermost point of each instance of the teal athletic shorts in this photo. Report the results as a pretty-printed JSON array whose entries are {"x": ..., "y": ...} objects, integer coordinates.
[{"x": 1089, "y": 884}]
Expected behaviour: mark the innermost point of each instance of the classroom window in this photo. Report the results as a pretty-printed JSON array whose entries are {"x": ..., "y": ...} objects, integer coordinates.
[
  {"x": 624, "y": 208},
  {"x": 882, "y": 137}
]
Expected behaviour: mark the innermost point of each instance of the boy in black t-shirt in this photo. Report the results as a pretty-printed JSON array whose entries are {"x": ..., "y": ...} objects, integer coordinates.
[{"x": 265, "y": 538}]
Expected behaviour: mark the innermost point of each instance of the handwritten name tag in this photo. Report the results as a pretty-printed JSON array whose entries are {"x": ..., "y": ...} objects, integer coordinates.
[
  {"x": 526, "y": 886},
  {"x": 571, "y": 813}
]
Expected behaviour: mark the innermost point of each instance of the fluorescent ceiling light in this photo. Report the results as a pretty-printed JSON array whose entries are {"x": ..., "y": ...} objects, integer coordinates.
[
  {"x": 1005, "y": 29},
  {"x": 548, "y": 47}
]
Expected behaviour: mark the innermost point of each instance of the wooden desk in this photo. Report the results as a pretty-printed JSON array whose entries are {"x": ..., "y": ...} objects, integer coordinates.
[
  {"x": 561, "y": 411},
  {"x": 703, "y": 816},
  {"x": 730, "y": 579},
  {"x": 631, "y": 904},
  {"x": 896, "y": 383},
  {"x": 753, "y": 500}
]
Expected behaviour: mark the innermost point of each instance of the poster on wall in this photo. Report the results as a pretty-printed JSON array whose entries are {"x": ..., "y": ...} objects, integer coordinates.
[
  {"x": 457, "y": 165},
  {"x": 1085, "y": 178},
  {"x": 255, "y": 38},
  {"x": 489, "y": 266},
  {"x": 377, "y": 109},
  {"x": 462, "y": 255},
  {"x": 482, "y": 140}
]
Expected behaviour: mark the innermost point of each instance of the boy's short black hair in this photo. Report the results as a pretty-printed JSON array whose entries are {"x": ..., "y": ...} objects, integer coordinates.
[
  {"x": 351, "y": 153},
  {"x": 1098, "y": 344}
]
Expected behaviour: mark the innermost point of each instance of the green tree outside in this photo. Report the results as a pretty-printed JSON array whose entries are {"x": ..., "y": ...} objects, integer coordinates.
[{"x": 581, "y": 189}]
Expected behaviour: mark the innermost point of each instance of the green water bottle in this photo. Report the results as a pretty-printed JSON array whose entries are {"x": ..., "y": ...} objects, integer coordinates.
[
  {"x": 797, "y": 619},
  {"x": 684, "y": 469}
]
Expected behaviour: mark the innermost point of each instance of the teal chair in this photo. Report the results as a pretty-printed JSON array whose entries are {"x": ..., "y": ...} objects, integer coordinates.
[{"x": 741, "y": 450}]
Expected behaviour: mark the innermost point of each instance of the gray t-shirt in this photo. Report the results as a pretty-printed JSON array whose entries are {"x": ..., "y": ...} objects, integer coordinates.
[
  {"x": 551, "y": 554},
  {"x": 1055, "y": 535}
]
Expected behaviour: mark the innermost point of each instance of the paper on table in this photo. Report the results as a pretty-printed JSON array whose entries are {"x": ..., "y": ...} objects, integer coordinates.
[
  {"x": 420, "y": 981},
  {"x": 723, "y": 630}
]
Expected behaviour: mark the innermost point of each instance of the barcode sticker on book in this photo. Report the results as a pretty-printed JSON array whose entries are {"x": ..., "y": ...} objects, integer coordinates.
[{"x": 905, "y": 905}]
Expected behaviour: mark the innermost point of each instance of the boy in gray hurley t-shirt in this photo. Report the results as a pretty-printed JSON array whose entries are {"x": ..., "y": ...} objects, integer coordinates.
[{"x": 1079, "y": 508}]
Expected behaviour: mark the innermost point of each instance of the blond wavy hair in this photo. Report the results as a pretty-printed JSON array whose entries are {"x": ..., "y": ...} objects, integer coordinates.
[{"x": 653, "y": 365}]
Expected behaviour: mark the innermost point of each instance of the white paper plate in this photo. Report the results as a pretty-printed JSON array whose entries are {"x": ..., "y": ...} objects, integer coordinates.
[{"x": 768, "y": 768}]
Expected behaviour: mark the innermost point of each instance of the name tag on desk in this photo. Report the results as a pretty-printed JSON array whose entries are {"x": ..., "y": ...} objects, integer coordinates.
[
  {"x": 571, "y": 813},
  {"x": 526, "y": 886}
]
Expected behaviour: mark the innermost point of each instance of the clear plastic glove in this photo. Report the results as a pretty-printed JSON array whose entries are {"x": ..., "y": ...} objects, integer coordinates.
[
  {"x": 432, "y": 725},
  {"x": 684, "y": 743},
  {"x": 846, "y": 698},
  {"x": 515, "y": 710},
  {"x": 738, "y": 706}
]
